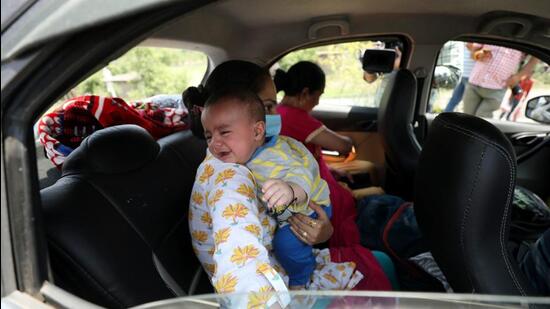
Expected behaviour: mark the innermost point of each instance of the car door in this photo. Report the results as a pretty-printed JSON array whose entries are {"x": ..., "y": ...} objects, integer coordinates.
[
  {"x": 529, "y": 137},
  {"x": 46, "y": 47},
  {"x": 349, "y": 105}
]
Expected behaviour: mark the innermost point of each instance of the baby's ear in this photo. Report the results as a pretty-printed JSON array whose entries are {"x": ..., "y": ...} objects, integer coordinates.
[{"x": 259, "y": 130}]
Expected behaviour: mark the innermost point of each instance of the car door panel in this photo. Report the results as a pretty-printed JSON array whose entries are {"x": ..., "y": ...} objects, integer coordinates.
[{"x": 358, "y": 123}]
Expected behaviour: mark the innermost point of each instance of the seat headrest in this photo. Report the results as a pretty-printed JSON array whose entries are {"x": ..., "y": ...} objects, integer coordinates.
[
  {"x": 113, "y": 150},
  {"x": 470, "y": 125}
]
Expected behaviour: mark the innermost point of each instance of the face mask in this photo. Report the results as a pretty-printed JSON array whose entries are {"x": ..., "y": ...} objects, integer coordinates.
[{"x": 272, "y": 125}]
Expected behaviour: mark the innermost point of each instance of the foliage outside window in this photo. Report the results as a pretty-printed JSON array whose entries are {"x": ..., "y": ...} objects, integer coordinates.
[
  {"x": 141, "y": 73},
  {"x": 146, "y": 71}
]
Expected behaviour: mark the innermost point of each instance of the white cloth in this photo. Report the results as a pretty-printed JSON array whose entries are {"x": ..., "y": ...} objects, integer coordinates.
[{"x": 232, "y": 235}]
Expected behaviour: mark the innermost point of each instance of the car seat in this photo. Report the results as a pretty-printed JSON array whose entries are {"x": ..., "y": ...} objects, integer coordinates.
[
  {"x": 116, "y": 220},
  {"x": 395, "y": 126},
  {"x": 464, "y": 187}
]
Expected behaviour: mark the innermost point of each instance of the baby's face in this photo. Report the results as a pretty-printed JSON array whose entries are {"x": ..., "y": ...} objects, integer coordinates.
[{"x": 231, "y": 134}]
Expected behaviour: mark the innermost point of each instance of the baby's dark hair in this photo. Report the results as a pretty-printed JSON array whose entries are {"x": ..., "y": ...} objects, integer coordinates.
[
  {"x": 303, "y": 74},
  {"x": 242, "y": 96},
  {"x": 232, "y": 73}
]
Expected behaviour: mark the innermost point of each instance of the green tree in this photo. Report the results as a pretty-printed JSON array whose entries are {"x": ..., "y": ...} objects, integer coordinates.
[{"x": 159, "y": 71}]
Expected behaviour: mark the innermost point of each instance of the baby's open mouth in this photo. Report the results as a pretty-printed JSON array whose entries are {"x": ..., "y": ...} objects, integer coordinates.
[{"x": 223, "y": 154}]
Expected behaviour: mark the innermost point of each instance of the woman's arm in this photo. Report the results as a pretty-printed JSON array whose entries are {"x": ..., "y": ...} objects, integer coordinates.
[
  {"x": 370, "y": 77},
  {"x": 316, "y": 230},
  {"x": 331, "y": 140}
]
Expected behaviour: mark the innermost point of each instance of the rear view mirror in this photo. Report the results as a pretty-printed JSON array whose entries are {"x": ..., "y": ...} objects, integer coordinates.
[
  {"x": 378, "y": 60},
  {"x": 538, "y": 109}
]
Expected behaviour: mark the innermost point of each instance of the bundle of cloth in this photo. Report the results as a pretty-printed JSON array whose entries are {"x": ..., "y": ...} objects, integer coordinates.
[{"x": 62, "y": 130}]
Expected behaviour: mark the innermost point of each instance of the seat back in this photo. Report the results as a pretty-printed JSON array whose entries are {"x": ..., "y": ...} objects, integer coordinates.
[
  {"x": 116, "y": 220},
  {"x": 464, "y": 187},
  {"x": 395, "y": 126}
]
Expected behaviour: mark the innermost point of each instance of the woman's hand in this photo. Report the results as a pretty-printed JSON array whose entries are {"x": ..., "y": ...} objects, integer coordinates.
[{"x": 312, "y": 231}]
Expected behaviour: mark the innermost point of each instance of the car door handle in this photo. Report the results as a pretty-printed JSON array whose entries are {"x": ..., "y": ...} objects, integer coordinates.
[{"x": 368, "y": 125}]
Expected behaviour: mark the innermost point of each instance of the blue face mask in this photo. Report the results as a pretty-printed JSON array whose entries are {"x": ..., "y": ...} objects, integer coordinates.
[{"x": 272, "y": 125}]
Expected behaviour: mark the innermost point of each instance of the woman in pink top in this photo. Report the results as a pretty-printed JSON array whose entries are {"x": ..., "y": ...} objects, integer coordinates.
[{"x": 303, "y": 85}]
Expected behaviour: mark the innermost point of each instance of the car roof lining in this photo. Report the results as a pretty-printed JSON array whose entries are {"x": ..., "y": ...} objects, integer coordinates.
[{"x": 267, "y": 28}]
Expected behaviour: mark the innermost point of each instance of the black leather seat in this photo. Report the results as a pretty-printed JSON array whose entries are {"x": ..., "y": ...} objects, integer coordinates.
[
  {"x": 395, "y": 126},
  {"x": 117, "y": 218},
  {"x": 464, "y": 187}
]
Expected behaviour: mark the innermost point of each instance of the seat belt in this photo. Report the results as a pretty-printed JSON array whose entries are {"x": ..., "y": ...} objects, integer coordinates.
[
  {"x": 167, "y": 278},
  {"x": 420, "y": 124}
]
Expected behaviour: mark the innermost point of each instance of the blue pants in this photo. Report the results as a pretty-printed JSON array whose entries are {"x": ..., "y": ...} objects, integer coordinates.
[
  {"x": 536, "y": 264},
  {"x": 295, "y": 256},
  {"x": 458, "y": 92}
]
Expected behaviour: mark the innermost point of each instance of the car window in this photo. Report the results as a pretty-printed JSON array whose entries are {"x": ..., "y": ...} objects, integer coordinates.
[
  {"x": 489, "y": 81},
  {"x": 344, "y": 74},
  {"x": 144, "y": 72}
]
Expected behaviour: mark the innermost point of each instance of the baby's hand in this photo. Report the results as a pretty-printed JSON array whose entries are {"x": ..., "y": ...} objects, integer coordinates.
[{"x": 277, "y": 193}]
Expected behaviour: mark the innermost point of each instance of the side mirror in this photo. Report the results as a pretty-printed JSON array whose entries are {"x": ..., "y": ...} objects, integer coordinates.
[
  {"x": 378, "y": 60},
  {"x": 446, "y": 76},
  {"x": 538, "y": 109}
]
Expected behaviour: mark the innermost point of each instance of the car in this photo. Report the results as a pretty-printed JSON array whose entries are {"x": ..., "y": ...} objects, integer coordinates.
[{"x": 114, "y": 237}]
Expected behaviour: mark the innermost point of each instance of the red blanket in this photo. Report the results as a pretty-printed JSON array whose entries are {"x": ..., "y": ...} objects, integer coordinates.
[{"x": 62, "y": 130}]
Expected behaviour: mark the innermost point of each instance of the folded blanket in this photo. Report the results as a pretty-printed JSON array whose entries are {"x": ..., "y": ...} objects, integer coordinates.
[{"x": 62, "y": 130}]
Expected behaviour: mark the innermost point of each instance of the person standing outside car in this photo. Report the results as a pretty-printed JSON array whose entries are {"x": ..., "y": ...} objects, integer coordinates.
[
  {"x": 467, "y": 66},
  {"x": 495, "y": 70}
]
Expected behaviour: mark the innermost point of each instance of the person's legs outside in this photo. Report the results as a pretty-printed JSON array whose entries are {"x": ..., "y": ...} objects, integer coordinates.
[
  {"x": 492, "y": 98},
  {"x": 519, "y": 110},
  {"x": 457, "y": 95},
  {"x": 471, "y": 99},
  {"x": 434, "y": 92},
  {"x": 513, "y": 104}
]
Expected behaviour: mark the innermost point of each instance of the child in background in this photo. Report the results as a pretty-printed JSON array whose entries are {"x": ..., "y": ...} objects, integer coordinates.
[
  {"x": 286, "y": 172},
  {"x": 526, "y": 84}
]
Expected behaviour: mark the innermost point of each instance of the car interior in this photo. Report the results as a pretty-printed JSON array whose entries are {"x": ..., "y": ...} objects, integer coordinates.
[{"x": 111, "y": 225}]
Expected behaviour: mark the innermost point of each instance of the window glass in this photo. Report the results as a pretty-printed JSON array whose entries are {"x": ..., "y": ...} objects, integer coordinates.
[
  {"x": 344, "y": 74},
  {"x": 489, "y": 81},
  {"x": 141, "y": 73},
  {"x": 146, "y": 71}
]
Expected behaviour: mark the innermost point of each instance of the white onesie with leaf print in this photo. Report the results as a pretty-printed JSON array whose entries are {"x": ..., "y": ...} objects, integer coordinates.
[{"x": 232, "y": 234}]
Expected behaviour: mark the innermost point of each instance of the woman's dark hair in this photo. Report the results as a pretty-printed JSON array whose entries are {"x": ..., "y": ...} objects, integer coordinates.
[
  {"x": 303, "y": 74},
  {"x": 229, "y": 74}
]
